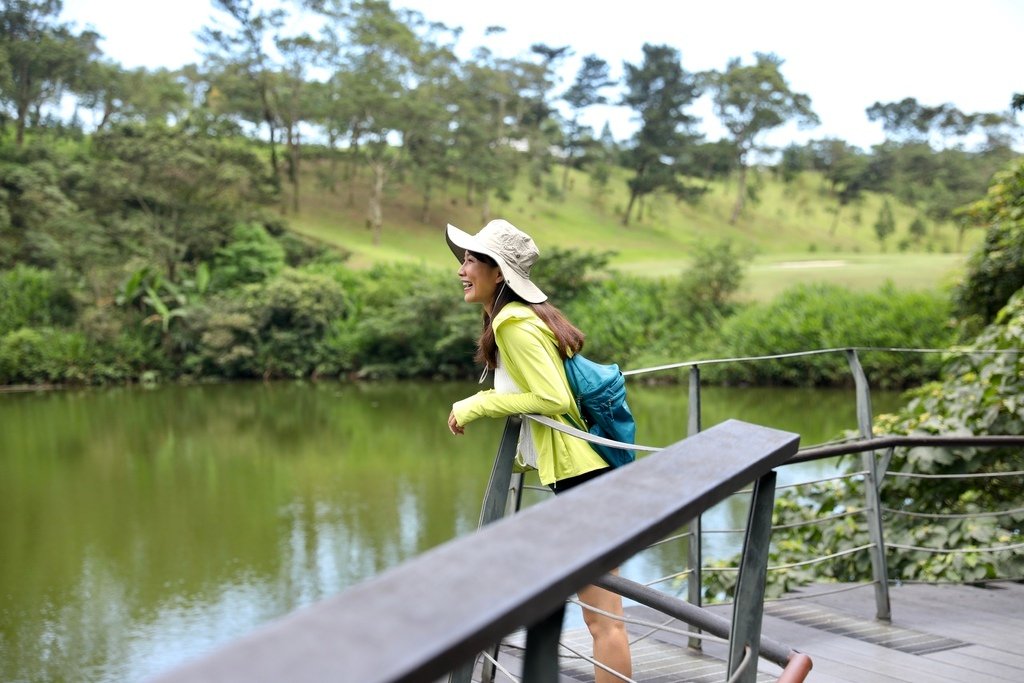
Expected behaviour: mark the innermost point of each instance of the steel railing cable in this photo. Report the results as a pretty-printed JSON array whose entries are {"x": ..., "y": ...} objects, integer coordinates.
[
  {"x": 677, "y": 575},
  {"x": 966, "y": 515},
  {"x": 813, "y": 352},
  {"x": 816, "y": 594},
  {"x": 956, "y": 551},
  {"x": 971, "y": 475},
  {"x": 805, "y": 563}
]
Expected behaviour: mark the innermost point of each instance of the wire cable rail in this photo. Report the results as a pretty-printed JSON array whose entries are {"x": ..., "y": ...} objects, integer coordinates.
[{"x": 867, "y": 444}]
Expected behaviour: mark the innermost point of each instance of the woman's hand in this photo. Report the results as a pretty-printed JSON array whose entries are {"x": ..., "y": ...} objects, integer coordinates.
[{"x": 453, "y": 425}]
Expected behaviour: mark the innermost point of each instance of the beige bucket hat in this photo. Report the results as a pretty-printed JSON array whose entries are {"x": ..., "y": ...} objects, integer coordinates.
[{"x": 513, "y": 250}]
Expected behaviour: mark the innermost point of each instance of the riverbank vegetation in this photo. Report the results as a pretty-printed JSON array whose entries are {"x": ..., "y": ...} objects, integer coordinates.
[{"x": 254, "y": 217}]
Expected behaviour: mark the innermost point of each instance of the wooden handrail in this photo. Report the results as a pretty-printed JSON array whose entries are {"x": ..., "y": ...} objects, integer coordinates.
[{"x": 417, "y": 621}]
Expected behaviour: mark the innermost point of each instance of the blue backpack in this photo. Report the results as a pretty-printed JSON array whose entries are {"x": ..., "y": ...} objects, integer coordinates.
[{"x": 600, "y": 393}]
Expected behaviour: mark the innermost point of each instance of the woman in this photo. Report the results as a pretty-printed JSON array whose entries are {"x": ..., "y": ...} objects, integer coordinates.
[{"x": 525, "y": 340}]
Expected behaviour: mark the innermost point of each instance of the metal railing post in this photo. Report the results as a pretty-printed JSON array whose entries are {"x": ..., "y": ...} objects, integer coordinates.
[
  {"x": 748, "y": 607},
  {"x": 497, "y": 503},
  {"x": 872, "y": 484},
  {"x": 694, "y": 554},
  {"x": 540, "y": 661}
]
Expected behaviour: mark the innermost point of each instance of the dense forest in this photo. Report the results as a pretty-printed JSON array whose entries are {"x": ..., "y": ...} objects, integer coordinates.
[{"x": 153, "y": 243}]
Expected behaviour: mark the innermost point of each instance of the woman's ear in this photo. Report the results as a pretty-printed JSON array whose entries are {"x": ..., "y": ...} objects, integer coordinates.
[{"x": 501, "y": 278}]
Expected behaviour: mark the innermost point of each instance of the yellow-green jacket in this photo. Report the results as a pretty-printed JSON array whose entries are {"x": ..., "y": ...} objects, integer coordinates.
[{"x": 530, "y": 354}]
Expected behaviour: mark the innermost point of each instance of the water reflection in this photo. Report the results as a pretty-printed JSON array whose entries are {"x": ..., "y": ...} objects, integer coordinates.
[{"x": 143, "y": 527}]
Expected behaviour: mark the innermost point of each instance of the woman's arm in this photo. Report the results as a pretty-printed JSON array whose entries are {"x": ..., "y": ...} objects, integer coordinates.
[{"x": 528, "y": 354}]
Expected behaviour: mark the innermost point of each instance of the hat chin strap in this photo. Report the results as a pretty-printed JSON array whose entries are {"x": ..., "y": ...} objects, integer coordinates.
[{"x": 497, "y": 297}]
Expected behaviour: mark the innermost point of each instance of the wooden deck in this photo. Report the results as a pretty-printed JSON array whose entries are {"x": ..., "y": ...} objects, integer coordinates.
[{"x": 937, "y": 633}]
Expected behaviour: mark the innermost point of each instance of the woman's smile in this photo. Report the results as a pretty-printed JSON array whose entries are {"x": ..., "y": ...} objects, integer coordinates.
[{"x": 479, "y": 280}]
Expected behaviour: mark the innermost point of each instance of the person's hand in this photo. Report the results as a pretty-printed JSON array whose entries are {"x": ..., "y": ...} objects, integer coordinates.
[{"x": 453, "y": 425}]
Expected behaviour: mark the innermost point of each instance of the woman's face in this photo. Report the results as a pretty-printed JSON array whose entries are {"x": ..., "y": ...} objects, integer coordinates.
[{"x": 479, "y": 280}]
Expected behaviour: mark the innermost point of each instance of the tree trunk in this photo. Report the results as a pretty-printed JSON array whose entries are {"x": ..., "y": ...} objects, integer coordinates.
[
  {"x": 19, "y": 125},
  {"x": 737, "y": 208},
  {"x": 835, "y": 221},
  {"x": 375, "y": 218},
  {"x": 425, "y": 208},
  {"x": 294, "y": 159},
  {"x": 485, "y": 209},
  {"x": 629, "y": 208}
]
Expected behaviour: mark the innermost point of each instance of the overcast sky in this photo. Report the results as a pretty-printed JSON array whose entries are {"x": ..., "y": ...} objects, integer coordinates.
[{"x": 845, "y": 56}]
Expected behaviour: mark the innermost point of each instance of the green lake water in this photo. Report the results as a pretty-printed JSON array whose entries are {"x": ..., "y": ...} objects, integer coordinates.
[{"x": 142, "y": 527}]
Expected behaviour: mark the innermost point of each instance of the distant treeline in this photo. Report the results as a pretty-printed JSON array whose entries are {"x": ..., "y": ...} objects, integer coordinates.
[{"x": 151, "y": 247}]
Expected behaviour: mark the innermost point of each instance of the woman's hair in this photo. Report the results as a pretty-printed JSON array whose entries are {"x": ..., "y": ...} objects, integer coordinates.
[{"x": 568, "y": 337}]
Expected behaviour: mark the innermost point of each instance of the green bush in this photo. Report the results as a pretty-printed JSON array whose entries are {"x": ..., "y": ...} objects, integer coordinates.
[
  {"x": 251, "y": 256},
  {"x": 980, "y": 394},
  {"x": 30, "y": 297},
  {"x": 996, "y": 269},
  {"x": 44, "y": 355},
  {"x": 813, "y": 317},
  {"x": 272, "y": 329}
]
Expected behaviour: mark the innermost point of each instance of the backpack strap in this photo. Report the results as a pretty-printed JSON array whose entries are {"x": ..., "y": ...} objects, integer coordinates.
[{"x": 587, "y": 436}]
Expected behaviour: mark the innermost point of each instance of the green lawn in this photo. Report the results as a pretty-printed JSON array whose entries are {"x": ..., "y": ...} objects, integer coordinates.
[{"x": 792, "y": 231}]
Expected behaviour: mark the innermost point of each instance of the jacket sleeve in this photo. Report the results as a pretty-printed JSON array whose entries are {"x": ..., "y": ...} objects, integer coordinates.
[{"x": 523, "y": 350}]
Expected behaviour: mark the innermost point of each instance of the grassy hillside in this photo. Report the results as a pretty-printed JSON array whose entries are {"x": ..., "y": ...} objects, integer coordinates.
[{"x": 791, "y": 231}]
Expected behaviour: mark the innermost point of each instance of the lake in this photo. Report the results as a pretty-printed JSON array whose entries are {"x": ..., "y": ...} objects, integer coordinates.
[{"x": 142, "y": 527}]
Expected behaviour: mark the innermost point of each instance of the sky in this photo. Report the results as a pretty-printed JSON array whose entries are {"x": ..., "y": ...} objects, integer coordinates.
[{"x": 844, "y": 56}]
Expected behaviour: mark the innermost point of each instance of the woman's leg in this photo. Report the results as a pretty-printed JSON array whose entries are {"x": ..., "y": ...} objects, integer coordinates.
[{"x": 611, "y": 643}]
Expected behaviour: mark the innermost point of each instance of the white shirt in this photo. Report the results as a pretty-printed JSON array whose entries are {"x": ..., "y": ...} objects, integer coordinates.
[{"x": 527, "y": 451}]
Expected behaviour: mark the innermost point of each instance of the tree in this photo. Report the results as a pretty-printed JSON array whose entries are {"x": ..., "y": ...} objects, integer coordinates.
[
  {"x": 996, "y": 270},
  {"x": 427, "y": 139},
  {"x": 297, "y": 103},
  {"x": 591, "y": 79},
  {"x": 378, "y": 73},
  {"x": 846, "y": 169},
  {"x": 660, "y": 91},
  {"x": 484, "y": 155},
  {"x": 41, "y": 58},
  {"x": 241, "y": 57},
  {"x": 172, "y": 195},
  {"x": 910, "y": 121},
  {"x": 750, "y": 100},
  {"x": 138, "y": 95},
  {"x": 885, "y": 225}
]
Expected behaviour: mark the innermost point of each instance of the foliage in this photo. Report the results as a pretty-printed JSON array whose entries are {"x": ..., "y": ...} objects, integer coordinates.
[
  {"x": 175, "y": 194},
  {"x": 885, "y": 224},
  {"x": 813, "y": 317},
  {"x": 709, "y": 286},
  {"x": 979, "y": 393},
  {"x": 996, "y": 270},
  {"x": 751, "y": 100},
  {"x": 661, "y": 91},
  {"x": 251, "y": 256},
  {"x": 270, "y": 329},
  {"x": 30, "y": 297},
  {"x": 568, "y": 274},
  {"x": 47, "y": 355}
]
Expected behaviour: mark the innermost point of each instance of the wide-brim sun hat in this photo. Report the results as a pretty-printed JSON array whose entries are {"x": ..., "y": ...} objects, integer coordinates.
[{"x": 512, "y": 249}]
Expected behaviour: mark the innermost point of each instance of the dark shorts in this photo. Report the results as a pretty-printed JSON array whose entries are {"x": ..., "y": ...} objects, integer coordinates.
[{"x": 563, "y": 485}]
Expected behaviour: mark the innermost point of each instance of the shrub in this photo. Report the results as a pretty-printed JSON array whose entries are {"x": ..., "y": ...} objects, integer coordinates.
[
  {"x": 251, "y": 256},
  {"x": 30, "y": 297},
  {"x": 272, "y": 329},
  {"x": 44, "y": 355},
  {"x": 811, "y": 317}
]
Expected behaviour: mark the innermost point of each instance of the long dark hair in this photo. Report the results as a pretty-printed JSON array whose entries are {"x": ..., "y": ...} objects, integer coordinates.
[{"x": 568, "y": 337}]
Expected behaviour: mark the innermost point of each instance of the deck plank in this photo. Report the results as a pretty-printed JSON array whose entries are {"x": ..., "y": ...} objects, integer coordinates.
[{"x": 988, "y": 622}]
